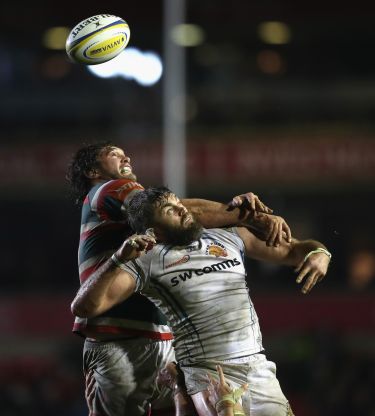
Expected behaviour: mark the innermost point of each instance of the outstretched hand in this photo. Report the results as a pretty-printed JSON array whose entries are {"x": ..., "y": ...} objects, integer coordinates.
[{"x": 312, "y": 270}]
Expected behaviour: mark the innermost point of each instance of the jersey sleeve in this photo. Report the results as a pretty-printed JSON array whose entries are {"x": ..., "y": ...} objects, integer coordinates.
[
  {"x": 233, "y": 236},
  {"x": 139, "y": 269},
  {"x": 112, "y": 197},
  {"x": 239, "y": 240}
]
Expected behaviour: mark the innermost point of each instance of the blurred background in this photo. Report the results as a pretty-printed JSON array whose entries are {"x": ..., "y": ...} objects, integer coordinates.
[{"x": 277, "y": 98}]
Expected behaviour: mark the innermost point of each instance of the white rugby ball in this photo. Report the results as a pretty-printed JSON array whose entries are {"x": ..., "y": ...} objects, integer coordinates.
[{"x": 97, "y": 39}]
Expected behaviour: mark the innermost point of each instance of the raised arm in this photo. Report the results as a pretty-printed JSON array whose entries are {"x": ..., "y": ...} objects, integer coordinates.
[
  {"x": 310, "y": 258},
  {"x": 246, "y": 210},
  {"x": 110, "y": 284},
  {"x": 213, "y": 214}
]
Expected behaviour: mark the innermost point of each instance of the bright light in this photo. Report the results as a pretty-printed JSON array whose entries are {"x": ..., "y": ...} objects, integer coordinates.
[
  {"x": 145, "y": 68},
  {"x": 187, "y": 35},
  {"x": 107, "y": 70},
  {"x": 55, "y": 37},
  {"x": 152, "y": 69},
  {"x": 274, "y": 33}
]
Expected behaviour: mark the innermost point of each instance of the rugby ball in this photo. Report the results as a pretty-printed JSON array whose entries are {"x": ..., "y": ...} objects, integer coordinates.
[{"x": 97, "y": 39}]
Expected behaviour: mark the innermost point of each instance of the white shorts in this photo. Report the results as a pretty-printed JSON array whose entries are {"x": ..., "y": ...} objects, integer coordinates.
[
  {"x": 125, "y": 373},
  {"x": 264, "y": 396}
]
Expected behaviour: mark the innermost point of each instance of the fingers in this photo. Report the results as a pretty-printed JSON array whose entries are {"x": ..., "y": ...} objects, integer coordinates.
[
  {"x": 276, "y": 233},
  {"x": 298, "y": 268},
  {"x": 211, "y": 386},
  {"x": 310, "y": 283},
  {"x": 256, "y": 204},
  {"x": 302, "y": 273},
  {"x": 150, "y": 232},
  {"x": 141, "y": 242},
  {"x": 280, "y": 231},
  {"x": 275, "y": 228},
  {"x": 221, "y": 375},
  {"x": 260, "y": 207},
  {"x": 236, "y": 201},
  {"x": 312, "y": 270},
  {"x": 273, "y": 237},
  {"x": 251, "y": 201},
  {"x": 287, "y": 233},
  {"x": 280, "y": 234},
  {"x": 211, "y": 379},
  {"x": 311, "y": 278},
  {"x": 135, "y": 246},
  {"x": 221, "y": 381}
]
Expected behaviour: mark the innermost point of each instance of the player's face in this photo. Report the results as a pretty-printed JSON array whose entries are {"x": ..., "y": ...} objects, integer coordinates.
[
  {"x": 174, "y": 223},
  {"x": 114, "y": 164}
]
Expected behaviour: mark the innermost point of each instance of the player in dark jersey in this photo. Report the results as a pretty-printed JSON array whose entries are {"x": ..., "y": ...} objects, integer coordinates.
[{"x": 126, "y": 346}]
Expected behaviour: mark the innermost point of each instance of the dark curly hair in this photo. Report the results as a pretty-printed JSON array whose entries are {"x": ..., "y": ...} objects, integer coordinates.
[
  {"x": 140, "y": 208},
  {"x": 84, "y": 160}
]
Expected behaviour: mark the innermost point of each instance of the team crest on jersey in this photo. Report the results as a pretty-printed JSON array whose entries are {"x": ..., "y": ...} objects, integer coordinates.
[
  {"x": 182, "y": 260},
  {"x": 216, "y": 249}
]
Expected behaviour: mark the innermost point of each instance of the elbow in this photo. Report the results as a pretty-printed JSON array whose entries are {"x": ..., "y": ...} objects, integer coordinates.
[
  {"x": 81, "y": 311},
  {"x": 77, "y": 310}
]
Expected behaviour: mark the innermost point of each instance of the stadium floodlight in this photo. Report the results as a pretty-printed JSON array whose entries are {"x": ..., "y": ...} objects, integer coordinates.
[{"x": 145, "y": 68}]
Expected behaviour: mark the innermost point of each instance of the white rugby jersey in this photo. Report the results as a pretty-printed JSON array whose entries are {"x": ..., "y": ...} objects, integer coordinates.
[{"x": 201, "y": 289}]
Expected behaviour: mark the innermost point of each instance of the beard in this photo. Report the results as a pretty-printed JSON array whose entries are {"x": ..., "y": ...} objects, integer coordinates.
[
  {"x": 129, "y": 175},
  {"x": 179, "y": 236}
]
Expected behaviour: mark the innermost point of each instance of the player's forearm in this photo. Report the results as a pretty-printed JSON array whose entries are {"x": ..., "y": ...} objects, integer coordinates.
[
  {"x": 213, "y": 214},
  {"x": 93, "y": 298},
  {"x": 300, "y": 249}
]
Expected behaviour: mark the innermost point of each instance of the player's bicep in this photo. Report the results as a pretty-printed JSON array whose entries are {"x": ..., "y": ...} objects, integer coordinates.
[
  {"x": 258, "y": 250},
  {"x": 121, "y": 288}
]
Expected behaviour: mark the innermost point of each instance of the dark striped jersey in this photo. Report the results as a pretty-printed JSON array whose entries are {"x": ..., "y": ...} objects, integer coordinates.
[{"x": 103, "y": 230}]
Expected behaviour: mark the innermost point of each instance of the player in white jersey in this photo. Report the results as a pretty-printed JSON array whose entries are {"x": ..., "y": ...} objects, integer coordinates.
[
  {"x": 197, "y": 278},
  {"x": 217, "y": 320}
]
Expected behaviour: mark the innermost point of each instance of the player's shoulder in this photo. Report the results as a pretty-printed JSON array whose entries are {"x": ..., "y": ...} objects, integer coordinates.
[
  {"x": 229, "y": 234},
  {"x": 121, "y": 185},
  {"x": 108, "y": 197},
  {"x": 117, "y": 188},
  {"x": 224, "y": 231}
]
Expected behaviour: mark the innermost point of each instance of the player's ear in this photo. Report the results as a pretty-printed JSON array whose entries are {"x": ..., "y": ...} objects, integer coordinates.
[{"x": 92, "y": 173}]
